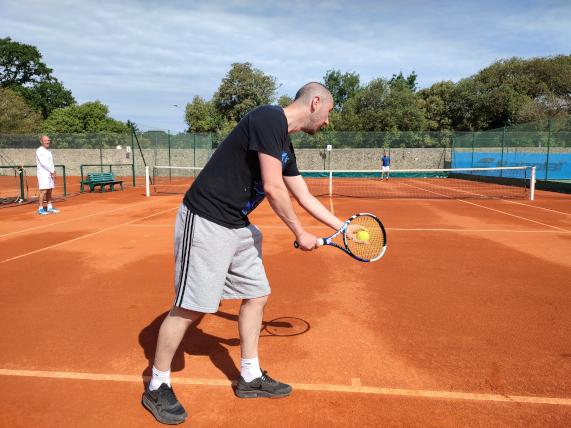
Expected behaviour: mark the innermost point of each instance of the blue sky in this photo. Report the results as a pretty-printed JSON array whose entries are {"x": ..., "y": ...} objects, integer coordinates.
[{"x": 141, "y": 57}]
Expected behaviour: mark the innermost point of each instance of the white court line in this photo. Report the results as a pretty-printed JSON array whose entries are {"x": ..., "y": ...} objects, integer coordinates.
[
  {"x": 65, "y": 221},
  {"x": 393, "y": 229},
  {"x": 535, "y": 206},
  {"x": 516, "y": 216},
  {"x": 355, "y": 388},
  {"x": 493, "y": 209},
  {"x": 77, "y": 218},
  {"x": 85, "y": 236},
  {"x": 504, "y": 200}
]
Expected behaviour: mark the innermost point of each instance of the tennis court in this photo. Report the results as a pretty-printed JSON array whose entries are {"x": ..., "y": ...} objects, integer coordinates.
[{"x": 465, "y": 322}]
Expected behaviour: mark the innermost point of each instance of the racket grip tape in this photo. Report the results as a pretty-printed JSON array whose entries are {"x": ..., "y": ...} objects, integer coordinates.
[{"x": 320, "y": 242}]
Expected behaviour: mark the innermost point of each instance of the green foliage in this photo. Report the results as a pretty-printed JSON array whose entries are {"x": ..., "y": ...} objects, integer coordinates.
[
  {"x": 22, "y": 69},
  {"x": 90, "y": 117},
  {"x": 382, "y": 106},
  {"x": 436, "y": 103},
  {"x": 515, "y": 90},
  {"x": 202, "y": 116},
  {"x": 243, "y": 89},
  {"x": 16, "y": 117},
  {"x": 506, "y": 92},
  {"x": 46, "y": 96},
  {"x": 285, "y": 101},
  {"x": 20, "y": 64},
  {"x": 409, "y": 81},
  {"x": 342, "y": 86}
]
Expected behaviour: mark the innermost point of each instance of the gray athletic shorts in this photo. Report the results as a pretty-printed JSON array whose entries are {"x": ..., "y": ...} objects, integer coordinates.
[{"x": 214, "y": 262}]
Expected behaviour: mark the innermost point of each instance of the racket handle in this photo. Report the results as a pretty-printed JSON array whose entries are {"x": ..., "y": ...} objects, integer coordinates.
[{"x": 320, "y": 242}]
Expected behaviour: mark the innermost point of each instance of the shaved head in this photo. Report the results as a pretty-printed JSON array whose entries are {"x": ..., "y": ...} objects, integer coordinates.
[
  {"x": 313, "y": 89},
  {"x": 311, "y": 107}
]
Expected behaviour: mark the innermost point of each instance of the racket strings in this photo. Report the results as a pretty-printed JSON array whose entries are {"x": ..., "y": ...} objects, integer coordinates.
[{"x": 361, "y": 245}]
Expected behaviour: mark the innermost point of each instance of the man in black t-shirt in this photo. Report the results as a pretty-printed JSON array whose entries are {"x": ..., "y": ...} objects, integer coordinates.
[{"x": 217, "y": 250}]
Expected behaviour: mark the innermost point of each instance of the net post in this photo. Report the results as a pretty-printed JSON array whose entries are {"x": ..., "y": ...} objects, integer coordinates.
[
  {"x": 532, "y": 185},
  {"x": 64, "y": 181},
  {"x": 21, "y": 198},
  {"x": 330, "y": 182},
  {"x": 147, "y": 185},
  {"x": 81, "y": 182}
]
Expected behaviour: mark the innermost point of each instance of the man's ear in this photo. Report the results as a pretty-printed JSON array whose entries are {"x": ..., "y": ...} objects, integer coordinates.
[{"x": 315, "y": 103}]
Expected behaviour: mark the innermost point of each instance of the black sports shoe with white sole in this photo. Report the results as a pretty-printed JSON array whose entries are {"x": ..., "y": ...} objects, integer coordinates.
[
  {"x": 164, "y": 406},
  {"x": 263, "y": 386}
]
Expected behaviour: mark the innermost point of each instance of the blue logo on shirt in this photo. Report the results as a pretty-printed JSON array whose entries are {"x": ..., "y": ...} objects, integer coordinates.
[
  {"x": 258, "y": 190},
  {"x": 257, "y": 197}
]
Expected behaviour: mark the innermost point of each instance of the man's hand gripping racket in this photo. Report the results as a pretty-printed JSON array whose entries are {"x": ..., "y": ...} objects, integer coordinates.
[{"x": 363, "y": 237}]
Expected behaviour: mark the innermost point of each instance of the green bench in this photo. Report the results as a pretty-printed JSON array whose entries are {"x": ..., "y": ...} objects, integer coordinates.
[{"x": 101, "y": 179}]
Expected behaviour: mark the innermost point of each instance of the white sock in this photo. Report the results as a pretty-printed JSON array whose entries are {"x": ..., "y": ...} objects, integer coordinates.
[
  {"x": 250, "y": 369},
  {"x": 50, "y": 206},
  {"x": 159, "y": 378}
]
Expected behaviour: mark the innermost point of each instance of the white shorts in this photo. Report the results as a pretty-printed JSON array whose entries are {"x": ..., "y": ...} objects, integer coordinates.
[
  {"x": 385, "y": 168},
  {"x": 45, "y": 182}
]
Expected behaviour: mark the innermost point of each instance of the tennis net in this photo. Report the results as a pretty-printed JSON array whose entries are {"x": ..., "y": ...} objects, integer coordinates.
[
  {"x": 170, "y": 179},
  {"x": 455, "y": 183},
  {"x": 18, "y": 184}
]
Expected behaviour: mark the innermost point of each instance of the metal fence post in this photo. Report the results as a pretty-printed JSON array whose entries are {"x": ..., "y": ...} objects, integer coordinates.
[{"x": 548, "y": 150}]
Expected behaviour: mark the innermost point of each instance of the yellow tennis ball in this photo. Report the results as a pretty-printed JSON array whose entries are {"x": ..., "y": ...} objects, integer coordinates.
[{"x": 363, "y": 235}]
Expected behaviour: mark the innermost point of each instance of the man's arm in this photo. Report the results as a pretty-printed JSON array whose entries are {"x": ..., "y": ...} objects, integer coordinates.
[
  {"x": 278, "y": 197},
  {"x": 310, "y": 203}
]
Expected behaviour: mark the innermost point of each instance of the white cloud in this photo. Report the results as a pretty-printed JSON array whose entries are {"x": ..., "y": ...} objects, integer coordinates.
[{"x": 140, "y": 57}]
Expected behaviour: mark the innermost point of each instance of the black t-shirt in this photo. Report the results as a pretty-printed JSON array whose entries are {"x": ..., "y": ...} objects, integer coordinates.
[{"x": 230, "y": 185}]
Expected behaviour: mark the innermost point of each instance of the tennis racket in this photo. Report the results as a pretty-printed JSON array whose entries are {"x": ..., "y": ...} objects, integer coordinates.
[{"x": 363, "y": 237}]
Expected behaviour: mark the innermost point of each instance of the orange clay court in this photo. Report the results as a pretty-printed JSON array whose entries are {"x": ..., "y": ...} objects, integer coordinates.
[{"x": 466, "y": 321}]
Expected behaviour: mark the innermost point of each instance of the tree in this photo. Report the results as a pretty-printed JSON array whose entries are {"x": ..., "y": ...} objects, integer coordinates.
[
  {"x": 202, "y": 116},
  {"x": 133, "y": 126},
  {"x": 46, "y": 96},
  {"x": 409, "y": 81},
  {"x": 20, "y": 64},
  {"x": 285, "y": 101},
  {"x": 382, "y": 106},
  {"x": 437, "y": 105},
  {"x": 90, "y": 117},
  {"x": 402, "y": 108},
  {"x": 242, "y": 89},
  {"x": 364, "y": 110},
  {"x": 516, "y": 89},
  {"x": 341, "y": 86},
  {"x": 22, "y": 69},
  {"x": 16, "y": 117}
]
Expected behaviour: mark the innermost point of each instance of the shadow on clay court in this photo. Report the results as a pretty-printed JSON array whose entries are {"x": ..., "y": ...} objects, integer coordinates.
[{"x": 197, "y": 342}]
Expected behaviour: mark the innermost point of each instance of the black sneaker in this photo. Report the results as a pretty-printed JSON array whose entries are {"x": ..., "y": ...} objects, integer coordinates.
[
  {"x": 263, "y": 386},
  {"x": 164, "y": 406}
]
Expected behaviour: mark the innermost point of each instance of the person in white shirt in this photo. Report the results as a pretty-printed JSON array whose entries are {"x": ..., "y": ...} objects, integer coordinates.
[{"x": 46, "y": 175}]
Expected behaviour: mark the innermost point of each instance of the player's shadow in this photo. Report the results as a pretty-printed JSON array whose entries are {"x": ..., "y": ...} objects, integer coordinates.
[
  {"x": 278, "y": 327},
  {"x": 195, "y": 342}
]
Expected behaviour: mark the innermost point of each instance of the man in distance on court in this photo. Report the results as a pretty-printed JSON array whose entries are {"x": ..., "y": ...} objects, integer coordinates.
[{"x": 46, "y": 175}]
